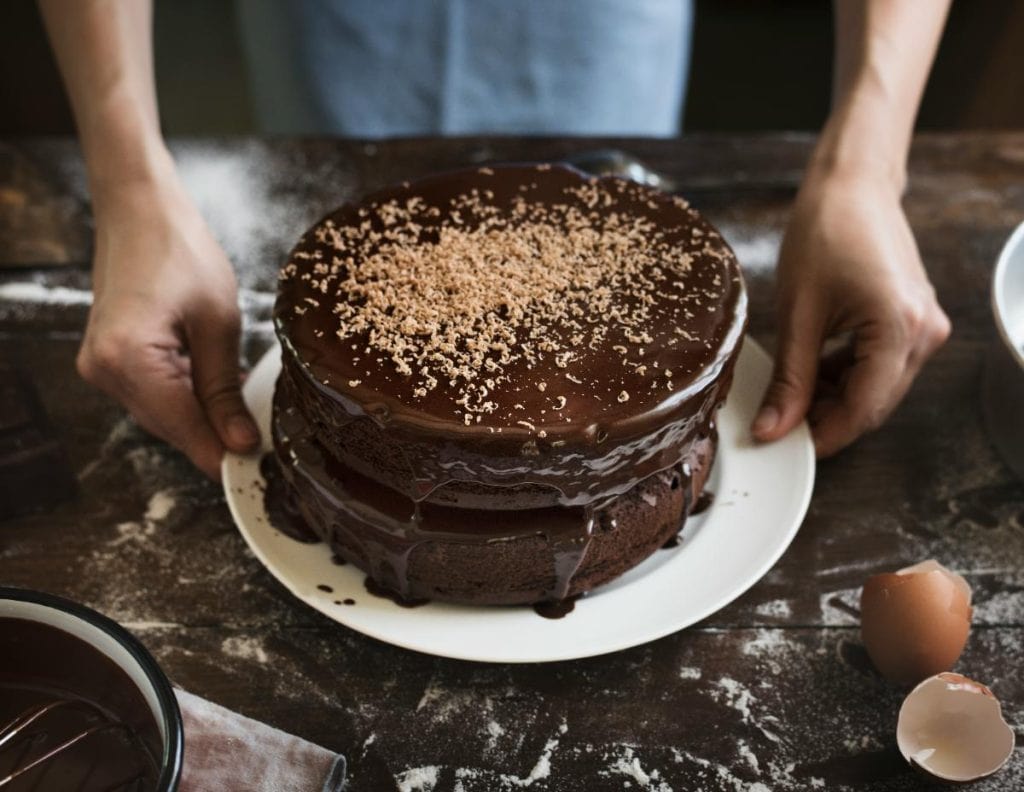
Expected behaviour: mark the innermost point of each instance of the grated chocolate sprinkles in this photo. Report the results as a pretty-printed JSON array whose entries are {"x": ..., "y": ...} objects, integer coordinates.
[{"x": 453, "y": 297}]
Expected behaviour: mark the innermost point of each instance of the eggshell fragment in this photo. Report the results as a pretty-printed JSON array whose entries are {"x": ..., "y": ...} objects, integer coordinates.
[
  {"x": 915, "y": 622},
  {"x": 952, "y": 728}
]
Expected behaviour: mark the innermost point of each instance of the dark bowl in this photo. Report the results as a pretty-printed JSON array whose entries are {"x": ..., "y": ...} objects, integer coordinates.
[{"x": 120, "y": 647}]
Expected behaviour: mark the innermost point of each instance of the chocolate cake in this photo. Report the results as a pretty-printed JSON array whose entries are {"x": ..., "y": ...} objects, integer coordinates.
[{"x": 499, "y": 385}]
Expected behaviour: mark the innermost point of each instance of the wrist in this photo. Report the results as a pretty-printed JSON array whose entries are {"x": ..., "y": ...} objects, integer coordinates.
[
  {"x": 148, "y": 185},
  {"x": 123, "y": 148},
  {"x": 133, "y": 167},
  {"x": 864, "y": 137}
]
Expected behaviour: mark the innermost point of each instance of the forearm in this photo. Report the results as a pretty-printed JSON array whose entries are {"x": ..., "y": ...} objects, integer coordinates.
[
  {"x": 104, "y": 50},
  {"x": 884, "y": 51}
]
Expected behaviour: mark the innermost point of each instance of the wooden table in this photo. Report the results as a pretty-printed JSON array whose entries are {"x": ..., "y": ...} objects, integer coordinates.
[{"x": 774, "y": 690}]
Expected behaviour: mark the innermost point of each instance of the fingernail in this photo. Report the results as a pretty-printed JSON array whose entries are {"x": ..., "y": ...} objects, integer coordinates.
[
  {"x": 242, "y": 432},
  {"x": 766, "y": 420}
]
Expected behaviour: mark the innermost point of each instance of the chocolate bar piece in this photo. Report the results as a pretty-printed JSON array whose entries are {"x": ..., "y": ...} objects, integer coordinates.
[{"x": 34, "y": 470}]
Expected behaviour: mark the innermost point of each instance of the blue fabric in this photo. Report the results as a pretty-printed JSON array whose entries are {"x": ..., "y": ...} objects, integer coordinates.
[{"x": 383, "y": 68}]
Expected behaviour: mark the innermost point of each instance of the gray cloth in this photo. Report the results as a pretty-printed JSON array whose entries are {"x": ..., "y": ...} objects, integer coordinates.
[
  {"x": 384, "y": 68},
  {"x": 228, "y": 752}
]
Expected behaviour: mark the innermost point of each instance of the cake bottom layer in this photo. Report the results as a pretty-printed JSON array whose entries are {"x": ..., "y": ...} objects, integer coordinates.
[{"x": 481, "y": 557}]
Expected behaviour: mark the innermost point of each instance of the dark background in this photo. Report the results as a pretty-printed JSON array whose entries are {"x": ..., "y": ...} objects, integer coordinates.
[{"x": 756, "y": 65}]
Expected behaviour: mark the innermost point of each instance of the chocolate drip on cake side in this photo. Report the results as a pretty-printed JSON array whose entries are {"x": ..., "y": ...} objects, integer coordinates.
[
  {"x": 582, "y": 350},
  {"x": 330, "y": 494},
  {"x": 399, "y": 524}
]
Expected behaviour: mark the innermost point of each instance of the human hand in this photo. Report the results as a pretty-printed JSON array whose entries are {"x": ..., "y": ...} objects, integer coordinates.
[
  {"x": 848, "y": 266},
  {"x": 163, "y": 332}
]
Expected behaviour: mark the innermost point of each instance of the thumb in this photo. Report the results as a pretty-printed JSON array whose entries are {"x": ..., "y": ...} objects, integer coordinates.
[
  {"x": 796, "y": 369},
  {"x": 213, "y": 345}
]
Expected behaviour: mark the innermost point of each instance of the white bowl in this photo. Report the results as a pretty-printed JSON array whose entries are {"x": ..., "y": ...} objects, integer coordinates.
[{"x": 1003, "y": 384}]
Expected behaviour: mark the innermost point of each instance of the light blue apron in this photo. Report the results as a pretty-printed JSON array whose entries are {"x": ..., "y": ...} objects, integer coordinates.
[{"x": 383, "y": 68}]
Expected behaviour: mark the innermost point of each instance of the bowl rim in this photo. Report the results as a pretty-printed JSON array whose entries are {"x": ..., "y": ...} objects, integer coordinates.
[
  {"x": 1014, "y": 241},
  {"x": 173, "y": 749}
]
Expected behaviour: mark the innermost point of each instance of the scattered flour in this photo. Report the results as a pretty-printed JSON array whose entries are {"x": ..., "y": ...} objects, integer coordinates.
[
  {"x": 768, "y": 644},
  {"x": 838, "y": 607},
  {"x": 444, "y": 704},
  {"x": 689, "y": 672},
  {"x": 150, "y": 625},
  {"x": 36, "y": 292},
  {"x": 160, "y": 505},
  {"x": 1003, "y": 607},
  {"x": 494, "y": 731},
  {"x": 726, "y": 778},
  {"x": 778, "y": 609},
  {"x": 757, "y": 250},
  {"x": 629, "y": 765},
  {"x": 250, "y": 301},
  {"x": 245, "y": 649},
  {"x": 865, "y": 743},
  {"x": 418, "y": 779},
  {"x": 748, "y": 755},
  {"x": 254, "y": 207},
  {"x": 542, "y": 769},
  {"x": 131, "y": 532},
  {"x": 739, "y": 697}
]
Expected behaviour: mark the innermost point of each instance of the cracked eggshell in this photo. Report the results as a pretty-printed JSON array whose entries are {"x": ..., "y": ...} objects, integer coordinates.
[
  {"x": 952, "y": 729},
  {"x": 915, "y": 622}
]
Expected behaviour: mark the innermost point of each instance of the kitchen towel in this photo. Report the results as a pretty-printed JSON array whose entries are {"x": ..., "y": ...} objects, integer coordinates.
[{"x": 225, "y": 752}]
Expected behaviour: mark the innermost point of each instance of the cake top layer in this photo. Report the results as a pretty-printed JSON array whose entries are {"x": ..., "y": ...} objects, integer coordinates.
[{"x": 519, "y": 299}]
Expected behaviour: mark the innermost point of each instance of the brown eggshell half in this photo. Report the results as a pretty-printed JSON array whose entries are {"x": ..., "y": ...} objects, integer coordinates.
[
  {"x": 914, "y": 623},
  {"x": 951, "y": 728}
]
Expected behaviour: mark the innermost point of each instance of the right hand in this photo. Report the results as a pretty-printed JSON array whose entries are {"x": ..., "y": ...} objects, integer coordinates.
[
  {"x": 163, "y": 331},
  {"x": 849, "y": 265}
]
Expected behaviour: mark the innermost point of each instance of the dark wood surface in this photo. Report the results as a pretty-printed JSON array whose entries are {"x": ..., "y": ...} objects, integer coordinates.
[{"x": 773, "y": 690}]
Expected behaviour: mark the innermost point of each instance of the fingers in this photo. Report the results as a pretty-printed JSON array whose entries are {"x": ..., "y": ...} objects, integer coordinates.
[
  {"x": 153, "y": 381},
  {"x": 182, "y": 422},
  {"x": 796, "y": 366},
  {"x": 884, "y": 366},
  {"x": 875, "y": 383},
  {"x": 213, "y": 344}
]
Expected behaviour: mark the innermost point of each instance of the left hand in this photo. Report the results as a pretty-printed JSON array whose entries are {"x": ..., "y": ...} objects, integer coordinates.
[{"x": 848, "y": 265}]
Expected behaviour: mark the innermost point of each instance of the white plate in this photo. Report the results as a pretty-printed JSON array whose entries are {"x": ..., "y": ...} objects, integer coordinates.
[{"x": 761, "y": 495}]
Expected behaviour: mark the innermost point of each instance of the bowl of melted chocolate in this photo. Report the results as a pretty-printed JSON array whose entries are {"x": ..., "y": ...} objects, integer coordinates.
[{"x": 83, "y": 705}]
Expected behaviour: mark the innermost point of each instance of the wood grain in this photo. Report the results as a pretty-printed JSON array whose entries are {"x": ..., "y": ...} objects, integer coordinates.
[{"x": 775, "y": 689}]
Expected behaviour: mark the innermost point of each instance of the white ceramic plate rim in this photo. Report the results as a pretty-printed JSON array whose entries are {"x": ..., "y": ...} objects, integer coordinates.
[{"x": 762, "y": 494}]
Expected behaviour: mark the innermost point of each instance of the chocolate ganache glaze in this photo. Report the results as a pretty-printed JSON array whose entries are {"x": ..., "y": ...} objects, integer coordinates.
[{"x": 507, "y": 354}]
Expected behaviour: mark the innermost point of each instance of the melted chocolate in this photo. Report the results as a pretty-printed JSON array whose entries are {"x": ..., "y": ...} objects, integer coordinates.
[
  {"x": 556, "y": 609},
  {"x": 703, "y": 503},
  {"x": 377, "y": 590},
  {"x": 279, "y": 504},
  {"x": 379, "y": 529},
  {"x": 83, "y": 693}
]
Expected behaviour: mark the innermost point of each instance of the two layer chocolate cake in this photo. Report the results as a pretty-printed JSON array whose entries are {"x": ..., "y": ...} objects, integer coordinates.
[{"x": 499, "y": 385}]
